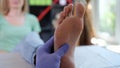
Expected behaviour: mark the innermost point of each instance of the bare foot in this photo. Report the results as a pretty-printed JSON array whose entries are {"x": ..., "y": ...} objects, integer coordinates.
[{"x": 68, "y": 31}]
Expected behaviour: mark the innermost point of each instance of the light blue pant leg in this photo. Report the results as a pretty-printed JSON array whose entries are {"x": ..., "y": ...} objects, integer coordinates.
[{"x": 27, "y": 47}]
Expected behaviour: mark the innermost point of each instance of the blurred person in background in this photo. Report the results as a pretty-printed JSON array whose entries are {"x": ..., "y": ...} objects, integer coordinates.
[
  {"x": 19, "y": 30},
  {"x": 15, "y": 23}
]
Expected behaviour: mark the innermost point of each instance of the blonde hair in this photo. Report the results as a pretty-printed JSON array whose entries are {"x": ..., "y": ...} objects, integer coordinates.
[
  {"x": 4, "y": 9},
  {"x": 88, "y": 31}
]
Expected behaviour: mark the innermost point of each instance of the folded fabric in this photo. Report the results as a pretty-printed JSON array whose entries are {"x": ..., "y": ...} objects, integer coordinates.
[{"x": 28, "y": 46}]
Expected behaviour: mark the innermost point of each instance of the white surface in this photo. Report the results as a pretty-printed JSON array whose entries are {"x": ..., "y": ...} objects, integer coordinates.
[
  {"x": 114, "y": 48},
  {"x": 117, "y": 29},
  {"x": 13, "y": 61},
  {"x": 85, "y": 57},
  {"x": 96, "y": 57}
]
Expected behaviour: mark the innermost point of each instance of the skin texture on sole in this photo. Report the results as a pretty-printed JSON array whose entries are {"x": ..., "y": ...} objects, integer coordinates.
[{"x": 68, "y": 31}]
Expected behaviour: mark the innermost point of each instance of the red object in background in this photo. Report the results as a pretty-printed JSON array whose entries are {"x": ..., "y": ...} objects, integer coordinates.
[
  {"x": 42, "y": 14},
  {"x": 69, "y": 1}
]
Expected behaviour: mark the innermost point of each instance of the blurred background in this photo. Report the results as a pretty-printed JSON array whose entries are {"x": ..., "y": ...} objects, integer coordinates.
[
  {"x": 98, "y": 46},
  {"x": 102, "y": 14},
  {"x": 46, "y": 11}
]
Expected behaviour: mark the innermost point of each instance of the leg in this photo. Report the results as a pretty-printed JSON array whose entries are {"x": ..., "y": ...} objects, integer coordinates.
[{"x": 69, "y": 31}]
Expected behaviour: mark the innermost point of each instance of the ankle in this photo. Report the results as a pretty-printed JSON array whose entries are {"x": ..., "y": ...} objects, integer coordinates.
[{"x": 67, "y": 62}]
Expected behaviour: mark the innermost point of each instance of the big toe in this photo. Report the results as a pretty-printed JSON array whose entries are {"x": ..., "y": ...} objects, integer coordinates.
[{"x": 80, "y": 10}]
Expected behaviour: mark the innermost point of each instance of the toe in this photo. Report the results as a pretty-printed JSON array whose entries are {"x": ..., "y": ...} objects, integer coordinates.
[
  {"x": 62, "y": 16},
  {"x": 66, "y": 9},
  {"x": 70, "y": 7},
  {"x": 80, "y": 10}
]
